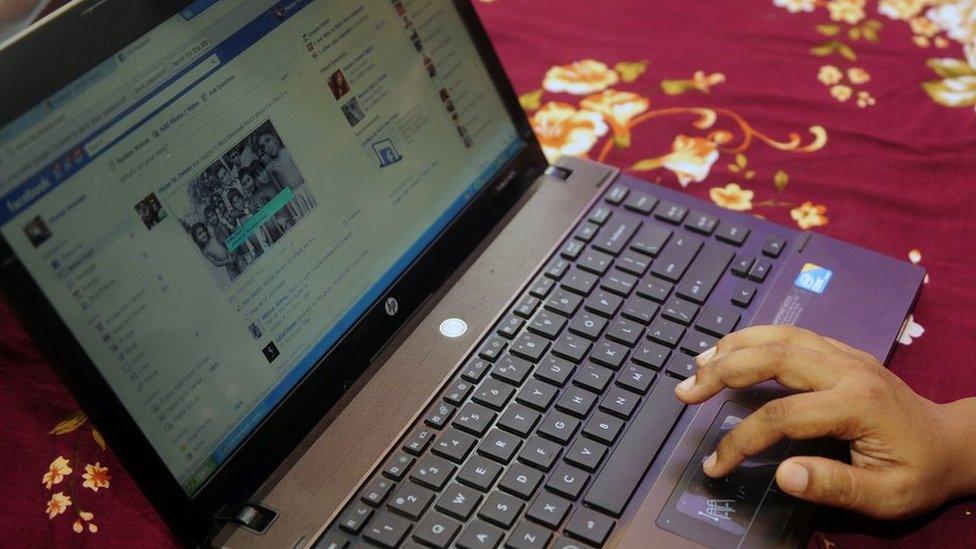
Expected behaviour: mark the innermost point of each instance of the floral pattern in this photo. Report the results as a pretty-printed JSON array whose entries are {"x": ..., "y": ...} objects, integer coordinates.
[
  {"x": 732, "y": 197},
  {"x": 95, "y": 477},
  {"x": 563, "y": 129},
  {"x": 580, "y": 78}
]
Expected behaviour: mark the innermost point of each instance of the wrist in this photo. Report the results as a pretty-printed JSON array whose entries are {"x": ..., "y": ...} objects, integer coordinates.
[{"x": 960, "y": 432}]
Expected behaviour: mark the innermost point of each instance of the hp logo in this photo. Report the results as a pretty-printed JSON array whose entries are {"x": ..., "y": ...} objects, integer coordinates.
[{"x": 391, "y": 306}]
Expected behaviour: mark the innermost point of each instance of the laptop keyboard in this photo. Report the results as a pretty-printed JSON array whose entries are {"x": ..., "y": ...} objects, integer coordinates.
[{"x": 543, "y": 435}]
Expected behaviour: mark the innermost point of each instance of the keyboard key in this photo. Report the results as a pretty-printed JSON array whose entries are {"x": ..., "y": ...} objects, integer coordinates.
[
  {"x": 509, "y": 326},
  {"x": 760, "y": 270},
  {"x": 639, "y": 309},
  {"x": 696, "y": 342},
  {"x": 595, "y": 378},
  {"x": 541, "y": 286},
  {"x": 635, "y": 378},
  {"x": 493, "y": 394},
  {"x": 679, "y": 310},
  {"x": 548, "y": 509},
  {"x": 590, "y": 526},
  {"x": 641, "y": 203},
  {"x": 474, "y": 418},
  {"x": 682, "y": 366},
  {"x": 624, "y": 331},
  {"x": 547, "y": 324},
  {"x": 501, "y": 509},
  {"x": 620, "y": 403},
  {"x": 563, "y": 302},
  {"x": 742, "y": 264},
  {"x": 436, "y": 530},
  {"x": 479, "y": 473},
  {"x": 619, "y": 283},
  {"x": 454, "y": 445},
  {"x": 432, "y": 472},
  {"x": 731, "y": 233},
  {"x": 616, "y": 194},
  {"x": 499, "y": 446},
  {"x": 623, "y": 471},
  {"x": 579, "y": 281},
  {"x": 526, "y": 306},
  {"x": 411, "y": 500},
  {"x": 530, "y": 346},
  {"x": 595, "y": 262},
  {"x": 571, "y": 347},
  {"x": 537, "y": 394},
  {"x": 528, "y": 536},
  {"x": 651, "y": 354},
  {"x": 457, "y": 392},
  {"x": 773, "y": 247},
  {"x": 613, "y": 237},
  {"x": 512, "y": 369},
  {"x": 332, "y": 540},
  {"x": 585, "y": 232},
  {"x": 521, "y": 480},
  {"x": 603, "y": 304},
  {"x": 519, "y": 420},
  {"x": 576, "y": 401},
  {"x": 587, "y": 325},
  {"x": 586, "y": 454},
  {"x": 418, "y": 441},
  {"x": 439, "y": 415},
  {"x": 397, "y": 466},
  {"x": 609, "y": 354},
  {"x": 603, "y": 427},
  {"x": 492, "y": 347},
  {"x": 354, "y": 518},
  {"x": 387, "y": 529},
  {"x": 555, "y": 370},
  {"x": 559, "y": 427},
  {"x": 676, "y": 257},
  {"x": 571, "y": 249},
  {"x": 557, "y": 268},
  {"x": 665, "y": 331},
  {"x": 633, "y": 263},
  {"x": 458, "y": 501},
  {"x": 567, "y": 481},
  {"x": 480, "y": 535},
  {"x": 743, "y": 296},
  {"x": 670, "y": 212},
  {"x": 540, "y": 453},
  {"x": 717, "y": 321},
  {"x": 376, "y": 491},
  {"x": 701, "y": 223},
  {"x": 475, "y": 369},
  {"x": 706, "y": 270},
  {"x": 600, "y": 214},
  {"x": 650, "y": 239}
]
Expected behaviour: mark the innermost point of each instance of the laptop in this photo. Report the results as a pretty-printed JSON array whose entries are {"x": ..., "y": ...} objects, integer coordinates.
[{"x": 306, "y": 267}]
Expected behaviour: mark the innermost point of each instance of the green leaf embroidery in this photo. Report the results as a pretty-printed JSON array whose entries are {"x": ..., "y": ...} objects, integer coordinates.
[
  {"x": 647, "y": 164},
  {"x": 780, "y": 180},
  {"x": 531, "y": 101},
  {"x": 951, "y": 68},
  {"x": 828, "y": 30}
]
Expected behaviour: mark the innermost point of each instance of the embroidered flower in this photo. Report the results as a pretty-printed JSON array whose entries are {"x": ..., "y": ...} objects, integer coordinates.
[
  {"x": 796, "y": 6},
  {"x": 78, "y": 527},
  {"x": 580, "y": 78},
  {"x": 848, "y": 11},
  {"x": 699, "y": 81},
  {"x": 910, "y": 331},
  {"x": 732, "y": 197},
  {"x": 56, "y": 472},
  {"x": 829, "y": 75},
  {"x": 96, "y": 477},
  {"x": 691, "y": 158},
  {"x": 857, "y": 75},
  {"x": 956, "y": 17},
  {"x": 901, "y": 10},
  {"x": 807, "y": 215},
  {"x": 958, "y": 85},
  {"x": 562, "y": 129},
  {"x": 57, "y": 504},
  {"x": 841, "y": 92},
  {"x": 864, "y": 99},
  {"x": 617, "y": 108}
]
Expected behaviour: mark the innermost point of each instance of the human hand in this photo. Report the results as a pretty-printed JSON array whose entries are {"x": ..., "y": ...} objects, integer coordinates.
[{"x": 908, "y": 454}]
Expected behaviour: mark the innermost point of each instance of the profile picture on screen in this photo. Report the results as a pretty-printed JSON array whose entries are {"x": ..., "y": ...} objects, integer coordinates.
[
  {"x": 354, "y": 114},
  {"x": 150, "y": 211},
  {"x": 338, "y": 84},
  {"x": 37, "y": 231}
]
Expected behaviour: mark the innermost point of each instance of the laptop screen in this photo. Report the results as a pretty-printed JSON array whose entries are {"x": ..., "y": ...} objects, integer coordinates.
[{"x": 213, "y": 207}]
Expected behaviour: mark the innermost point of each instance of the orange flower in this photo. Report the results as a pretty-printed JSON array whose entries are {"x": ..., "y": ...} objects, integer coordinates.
[
  {"x": 57, "y": 504},
  {"x": 96, "y": 477},
  {"x": 732, "y": 197},
  {"x": 56, "y": 472},
  {"x": 807, "y": 215},
  {"x": 77, "y": 526},
  {"x": 580, "y": 78},
  {"x": 617, "y": 108},
  {"x": 691, "y": 158},
  {"x": 562, "y": 129}
]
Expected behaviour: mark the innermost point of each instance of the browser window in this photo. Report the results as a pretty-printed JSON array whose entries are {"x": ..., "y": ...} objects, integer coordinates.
[{"x": 222, "y": 215}]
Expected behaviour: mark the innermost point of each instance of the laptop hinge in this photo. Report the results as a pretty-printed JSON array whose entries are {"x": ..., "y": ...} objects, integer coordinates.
[{"x": 253, "y": 516}]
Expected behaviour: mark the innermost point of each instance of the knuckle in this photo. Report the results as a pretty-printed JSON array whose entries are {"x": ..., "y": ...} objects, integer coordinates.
[{"x": 774, "y": 412}]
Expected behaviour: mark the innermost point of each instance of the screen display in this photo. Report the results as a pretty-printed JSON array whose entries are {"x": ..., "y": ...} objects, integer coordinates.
[{"x": 213, "y": 207}]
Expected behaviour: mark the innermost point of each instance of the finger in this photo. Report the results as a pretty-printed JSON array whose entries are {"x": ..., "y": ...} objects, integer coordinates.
[
  {"x": 792, "y": 366},
  {"x": 863, "y": 355},
  {"x": 799, "y": 417},
  {"x": 786, "y": 334},
  {"x": 830, "y": 482}
]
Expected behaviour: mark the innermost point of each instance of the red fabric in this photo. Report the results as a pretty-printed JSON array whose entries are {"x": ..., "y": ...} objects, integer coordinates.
[{"x": 894, "y": 176}]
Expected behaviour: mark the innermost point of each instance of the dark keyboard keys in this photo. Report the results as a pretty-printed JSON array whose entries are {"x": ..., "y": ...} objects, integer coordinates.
[
  {"x": 600, "y": 214},
  {"x": 567, "y": 481},
  {"x": 436, "y": 530},
  {"x": 587, "y": 325},
  {"x": 717, "y": 321},
  {"x": 457, "y": 392},
  {"x": 760, "y": 270},
  {"x": 613, "y": 237},
  {"x": 676, "y": 257},
  {"x": 654, "y": 289},
  {"x": 624, "y": 331},
  {"x": 682, "y": 366},
  {"x": 679, "y": 310},
  {"x": 743, "y": 295},
  {"x": 670, "y": 212},
  {"x": 555, "y": 370},
  {"x": 479, "y": 473},
  {"x": 548, "y": 509},
  {"x": 418, "y": 441},
  {"x": 454, "y": 445},
  {"x": 519, "y": 420},
  {"x": 475, "y": 369},
  {"x": 354, "y": 518},
  {"x": 526, "y": 306},
  {"x": 387, "y": 529},
  {"x": 530, "y": 346},
  {"x": 641, "y": 203},
  {"x": 571, "y": 347},
  {"x": 742, "y": 264},
  {"x": 557, "y": 268},
  {"x": 603, "y": 304},
  {"x": 499, "y": 446},
  {"x": 620, "y": 402},
  {"x": 547, "y": 324},
  {"x": 593, "y": 377},
  {"x": 540, "y": 453},
  {"x": 595, "y": 262},
  {"x": 411, "y": 500},
  {"x": 376, "y": 491},
  {"x": 521, "y": 480},
  {"x": 585, "y": 233},
  {"x": 704, "y": 273},
  {"x": 541, "y": 287},
  {"x": 651, "y": 354},
  {"x": 480, "y": 535},
  {"x": 528, "y": 536},
  {"x": 619, "y": 283},
  {"x": 501, "y": 509},
  {"x": 603, "y": 427},
  {"x": 650, "y": 239},
  {"x": 512, "y": 369},
  {"x": 332, "y": 540},
  {"x": 563, "y": 302},
  {"x": 731, "y": 233},
  {"x": 589, "y": 526},
  {"x": 639, "y": 309},
  {"x": 571, "y": 249},
  {"x": 616, "y": 194},
  {"x": 439, "y": 415},
  {"x": 665, "y": 332},
  {"x": 696, "y": 342},
  {"x": 586, "y": 454},
  {"x": 493, "y": 394},
  {"x": 773, "y": 247},
  {"x": 701, "y": 223},
  {"x": 492, "y": 347},
  {"x": 398, "y": 465},
  {"x": 458, "y": 501},
  {"x": 537, "y": 395},
  {"x": 635, "y": 378},
  {"x": 473, "y": 418},
  {"x": 432, "y": 472},
  {"x": 609, "y": 354},
  {"x": 633, "y": 263},
  {"x": 509, "y": 326},
  {"x": 576, "y": 401},
  {"x": 559, "y": 427},
  {"x": 579, "y": 281}
]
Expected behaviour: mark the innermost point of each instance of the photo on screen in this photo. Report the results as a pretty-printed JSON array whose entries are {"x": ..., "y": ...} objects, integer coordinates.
[
  {"x": 243, "y": 203},
  {"x": 338, "y": 84},
  {"x": 37, "y": 231},
  {"x": 150, "y": 211}
]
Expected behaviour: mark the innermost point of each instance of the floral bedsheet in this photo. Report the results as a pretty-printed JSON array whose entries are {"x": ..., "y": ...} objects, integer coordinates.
[{"x": 856, "y": 118}]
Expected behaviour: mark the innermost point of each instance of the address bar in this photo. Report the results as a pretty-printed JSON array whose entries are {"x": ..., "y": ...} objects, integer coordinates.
[{"x": 109, "y": 136}]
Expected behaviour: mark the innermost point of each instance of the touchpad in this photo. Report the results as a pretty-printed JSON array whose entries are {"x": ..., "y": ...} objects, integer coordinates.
[{"x": 719, "y": 512}]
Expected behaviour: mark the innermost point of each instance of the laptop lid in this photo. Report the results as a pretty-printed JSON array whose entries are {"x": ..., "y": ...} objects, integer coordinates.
[{"x": 216, "y": 214}]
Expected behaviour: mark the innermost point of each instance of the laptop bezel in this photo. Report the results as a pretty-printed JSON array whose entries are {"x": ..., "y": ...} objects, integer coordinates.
[{"x": 117, "y": 23}]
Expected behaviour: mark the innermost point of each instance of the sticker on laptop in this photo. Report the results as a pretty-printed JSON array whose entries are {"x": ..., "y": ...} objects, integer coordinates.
[{"x": 813, "y": 278}]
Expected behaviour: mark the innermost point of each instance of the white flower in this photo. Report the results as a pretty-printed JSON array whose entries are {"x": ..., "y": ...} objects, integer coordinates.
[
  {"x": 910, "y": 331},
  {"x": 795, "y": 6},
  {"x": 957, "y": 18}
]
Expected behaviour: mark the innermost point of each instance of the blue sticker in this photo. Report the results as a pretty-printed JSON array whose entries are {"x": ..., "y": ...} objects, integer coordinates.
[{"x": 814, "y": 278}]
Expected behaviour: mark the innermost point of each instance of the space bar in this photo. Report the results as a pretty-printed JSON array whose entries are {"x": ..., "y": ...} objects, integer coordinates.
[{"x": 615, "y": 485}]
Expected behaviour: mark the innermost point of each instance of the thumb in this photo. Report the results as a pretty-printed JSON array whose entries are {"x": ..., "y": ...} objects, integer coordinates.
[{"x": 830, "y": 482}]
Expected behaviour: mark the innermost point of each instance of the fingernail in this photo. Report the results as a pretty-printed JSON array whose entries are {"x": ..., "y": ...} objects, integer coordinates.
[
  {"x": 686, "y": 385},
  {"x": 793, "y": 477},
  {"x": 705, "y": 355},
  {"x": 710, "y": 461}
]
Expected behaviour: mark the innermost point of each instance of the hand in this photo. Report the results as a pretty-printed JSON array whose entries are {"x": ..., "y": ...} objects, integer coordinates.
[{"x": 906, "y": 454}]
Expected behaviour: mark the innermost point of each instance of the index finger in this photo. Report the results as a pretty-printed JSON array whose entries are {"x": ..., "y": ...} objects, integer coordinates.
[{"x": 785, "y": 334}]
